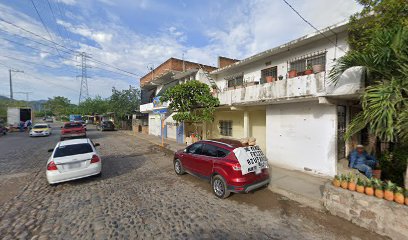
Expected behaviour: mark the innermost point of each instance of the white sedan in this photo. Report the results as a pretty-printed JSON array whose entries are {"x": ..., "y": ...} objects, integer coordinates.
[{"x": 73, "y": 159}]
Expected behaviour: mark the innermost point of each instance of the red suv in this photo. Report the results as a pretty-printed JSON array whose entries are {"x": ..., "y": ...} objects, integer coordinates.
[
  {"x": 215, "y": 161},
  {"x": 73, "y": 130}
]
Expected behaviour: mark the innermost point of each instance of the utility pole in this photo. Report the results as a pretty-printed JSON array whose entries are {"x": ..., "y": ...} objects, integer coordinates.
[
  {"x": 83, "y": 92},
  {"x": 11, "y": 81}
]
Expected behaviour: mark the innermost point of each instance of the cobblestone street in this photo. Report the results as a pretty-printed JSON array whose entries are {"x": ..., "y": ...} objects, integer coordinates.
[{"x": 139, "y": 196}]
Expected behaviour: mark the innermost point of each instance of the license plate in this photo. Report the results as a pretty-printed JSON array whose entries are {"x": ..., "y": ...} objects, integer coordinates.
[{"x": 74, "y": 165}]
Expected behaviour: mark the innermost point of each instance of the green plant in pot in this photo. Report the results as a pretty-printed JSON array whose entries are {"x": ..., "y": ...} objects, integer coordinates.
[
  {"x": 360, "y": 185},
  {"x": 308, "y": 70}
]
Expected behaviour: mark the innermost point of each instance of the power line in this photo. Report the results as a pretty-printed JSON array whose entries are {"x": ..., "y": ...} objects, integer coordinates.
[
  {"x": 43, "y": 23},
  {"x": 30, "y": 62},
  {"x": 55, "y": 19},
  {"x": 310, "y": 24},
  {"x": 72, "y": 51},
  {"x": 41, "y": 50}
]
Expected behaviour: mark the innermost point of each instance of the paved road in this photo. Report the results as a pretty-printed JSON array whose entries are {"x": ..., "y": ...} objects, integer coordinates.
[{"x": 140, "y": 197}]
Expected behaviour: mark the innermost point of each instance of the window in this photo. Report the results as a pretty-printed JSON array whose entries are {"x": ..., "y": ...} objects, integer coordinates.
[
  {"x": 68, "y": 150},
  {"x": 301, "y": 64},
  {"x": 195, "y": 148},
  {"x": 213, "y": 151},
  {"x": 226, "y": 128},
  {"x": 72, "y": 125},
  {"x": 272, "y": 71},
  {"x": 236, "y": 81}
]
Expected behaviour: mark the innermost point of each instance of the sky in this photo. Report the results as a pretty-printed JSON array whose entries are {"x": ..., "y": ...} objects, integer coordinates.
[{"x": 124, "y": 38}]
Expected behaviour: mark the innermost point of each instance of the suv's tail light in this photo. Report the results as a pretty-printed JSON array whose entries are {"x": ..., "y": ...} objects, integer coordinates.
[
  {"x": 51, "y": 166},
  {"x": 236, "y": 167},
  {"x": 95, "y": 159}
]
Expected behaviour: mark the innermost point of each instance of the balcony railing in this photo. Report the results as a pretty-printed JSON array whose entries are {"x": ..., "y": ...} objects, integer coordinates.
[{"x": 313, "y": 85}]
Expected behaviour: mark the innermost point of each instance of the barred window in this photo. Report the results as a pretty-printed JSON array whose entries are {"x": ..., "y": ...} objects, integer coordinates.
[
  {"x": 301, "y": 64},
  {"x": 236, "y": 81},
  {"x": 272, "y": 71},
  {"x": 226, "y": 128}
]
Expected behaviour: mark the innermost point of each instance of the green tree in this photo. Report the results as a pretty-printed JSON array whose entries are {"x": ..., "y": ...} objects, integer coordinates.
[
  {"x": 59, "y": 106},
  {"x": 124, "y": 102},
  {"x": 375, "y": 15},
  {"x": 94, "y": 105},
  {"x": 192, "y": 101},
  {"x": 385, "y": 100}
]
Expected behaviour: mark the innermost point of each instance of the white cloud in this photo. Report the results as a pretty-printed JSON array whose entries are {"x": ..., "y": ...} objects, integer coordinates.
[{"x": 68, "y": 2}]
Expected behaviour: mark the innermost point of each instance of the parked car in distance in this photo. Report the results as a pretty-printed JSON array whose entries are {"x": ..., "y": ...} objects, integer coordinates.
[
  {"x": 40, "y": 129},
  {"x": 106, "y": 125},
  {"x": 49, "y": 119},
  {"x": 73, "y": 159},
  {"x": 215, "y": 161},
  {"x": 72, "y": 130}
]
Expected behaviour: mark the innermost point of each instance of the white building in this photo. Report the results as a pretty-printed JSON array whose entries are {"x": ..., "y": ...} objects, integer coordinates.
[{"x": 298, "y": 120}]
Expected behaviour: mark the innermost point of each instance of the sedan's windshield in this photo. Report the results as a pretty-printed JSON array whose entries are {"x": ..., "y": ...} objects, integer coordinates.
[
  {"x": 74, "y": 149},
  {"x": 40, "y": 126}
]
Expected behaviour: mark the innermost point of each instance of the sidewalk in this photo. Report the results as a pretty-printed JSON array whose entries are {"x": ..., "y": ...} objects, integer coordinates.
[{"x": 301, "y": 187}]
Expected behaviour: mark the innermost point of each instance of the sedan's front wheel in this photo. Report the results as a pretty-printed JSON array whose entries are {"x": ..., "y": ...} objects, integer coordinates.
[
  {"x": 178, "y": 167},
  {"x": 219, "y": 187}
]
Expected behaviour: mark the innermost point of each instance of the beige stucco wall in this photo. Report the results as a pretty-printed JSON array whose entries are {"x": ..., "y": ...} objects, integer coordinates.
[{"x": 257, "y": 125}]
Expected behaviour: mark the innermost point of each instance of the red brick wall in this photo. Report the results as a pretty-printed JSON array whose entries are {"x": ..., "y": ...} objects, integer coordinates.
[
  {"x": 172, "y": 64},
  {"x": 223, "y": 61}
]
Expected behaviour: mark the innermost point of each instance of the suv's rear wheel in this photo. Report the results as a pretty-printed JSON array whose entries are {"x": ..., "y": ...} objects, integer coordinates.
[
  {"x": 219, "y": 187},
  {"x": 178, "y": 167}
]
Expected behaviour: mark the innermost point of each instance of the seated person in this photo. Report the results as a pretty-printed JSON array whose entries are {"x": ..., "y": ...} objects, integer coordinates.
[{"x": 361, "y": 160}]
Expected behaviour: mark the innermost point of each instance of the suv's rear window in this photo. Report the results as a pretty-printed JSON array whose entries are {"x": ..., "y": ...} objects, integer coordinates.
[
  {"x": 74, "y": 149},
  {"x": 213, "y": 151},
  {"x": 72, "y": 125}
]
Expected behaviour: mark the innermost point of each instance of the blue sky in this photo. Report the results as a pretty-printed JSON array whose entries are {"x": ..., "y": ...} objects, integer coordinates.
[{"x": 134, "y": 34}]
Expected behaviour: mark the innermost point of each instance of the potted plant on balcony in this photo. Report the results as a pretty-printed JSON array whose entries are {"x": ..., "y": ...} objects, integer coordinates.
[
  {"x": 292, "y": 73},
  {"x": 270, "y": 79},
  {"x": 317, "y": 68},
  {"x": 308, "y": 70}
]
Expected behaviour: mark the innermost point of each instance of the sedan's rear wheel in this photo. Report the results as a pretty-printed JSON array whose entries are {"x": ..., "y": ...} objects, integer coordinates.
[
  {"x": 219, "y": 187},
  {"x": 178, "y": 167}
]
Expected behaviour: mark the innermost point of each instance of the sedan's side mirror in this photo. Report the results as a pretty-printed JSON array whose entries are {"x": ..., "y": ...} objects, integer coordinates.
[
  {"x": 97, "y": 144},
  {"x": 185, "y": 150},
  {"x": 50, "y": 150}
]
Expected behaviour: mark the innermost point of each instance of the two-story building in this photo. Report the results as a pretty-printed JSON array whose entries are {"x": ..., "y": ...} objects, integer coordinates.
[
  {"x": 168, "y": 74},
  {"x": 284, "y": 98}
]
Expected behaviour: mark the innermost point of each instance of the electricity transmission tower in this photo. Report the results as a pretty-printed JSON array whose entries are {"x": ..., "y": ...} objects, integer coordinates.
[{"x": 83, "y": 92}]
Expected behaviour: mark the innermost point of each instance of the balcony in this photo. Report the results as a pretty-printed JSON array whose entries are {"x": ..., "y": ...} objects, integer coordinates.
[
  {"x": 154, "y": 106},
  {"x": 296, "y": 89}
]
